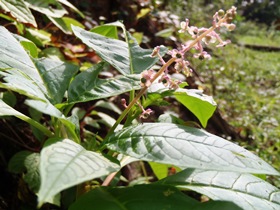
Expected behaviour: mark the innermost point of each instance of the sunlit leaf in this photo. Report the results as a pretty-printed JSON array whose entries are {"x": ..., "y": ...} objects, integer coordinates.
[
  {"x": 65, "y": 164},
  {"x": 43, "y": 78},
  {"x": 185, "y": 147},
  {"x": 56, "y": 76},
  {"x": 246, "y": 190},
  {"x": 14, "y": 56},
  {"x": 127, "y": 58},
  {"x": 106, "y": 30},
  {"x": 87, "y": 86},
  {"x": 201, "y": 105},
  {"x": 19, "y": 10},
  {"x": 67, "y": 3},
  {"x": 143, "y": 12},
  {"x": 162, "y": 170},
  {"x": 48, "y": 7},
  {"x": 29, "y": 46},
  {"x": 39, "y": 37},
  {"x": 65, "y": 23}
]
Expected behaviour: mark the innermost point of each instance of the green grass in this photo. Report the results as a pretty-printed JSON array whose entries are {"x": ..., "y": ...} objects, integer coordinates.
[{"x": 246, "y": 86}]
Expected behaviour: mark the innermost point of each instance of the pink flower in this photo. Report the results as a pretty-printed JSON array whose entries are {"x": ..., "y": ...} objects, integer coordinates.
[
  {"x": 147, "y": 75},
  {"x": 146, "y": 113},
  {"x": 223, "y": 43},
  {"x": 202, "y": 55},
  {"x": 184, "y": 26}
]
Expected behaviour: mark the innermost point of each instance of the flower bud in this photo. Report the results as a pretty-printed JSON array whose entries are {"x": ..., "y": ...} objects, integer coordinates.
[
  {"x": 221, "y": 13},
  {"x": 229, "y": 20},
  {"x": 231, "y": 27},
  {"x": 155, "y": 51}
]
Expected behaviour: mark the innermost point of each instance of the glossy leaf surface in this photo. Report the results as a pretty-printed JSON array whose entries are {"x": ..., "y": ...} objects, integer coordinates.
[
  {"x": 126, "y": 58},
  {"x": 246, "y": 190},
  {"x": 201, "y": 105},
  {"x": 65, "y": 164},
  {"x": 50, "y": 7},
  {"x": 19, "y": 10},
  {"x": 87, "y": 86},
  {"x": 185, "y": 147}
]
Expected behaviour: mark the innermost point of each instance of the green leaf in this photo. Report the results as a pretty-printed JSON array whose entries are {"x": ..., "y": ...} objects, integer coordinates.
[
  {"x": 65, "y": 164},
  {"x": 32, "y": 177},
  {"x": 6, "y": 110},
  {"x": 44, "y": 107},
  {"x": 67, "y": 3},
  {"x": 9, "y": 98},
  {"x": 185, "y": 147},
  {"x": 127, "y": 58},
  {"x": 245, "y": 190},
  {"x": 56, "y": 76},
  {"x": 48, "y": 7},
  {"x": 14, "y": 56},
  {"x": 161, "y": 170},
  {"x": 139, "y": 197},
  {"x": 19, "y": 10},
  {"x": 29, "y": 46},
  {"x": 87, "y": 86},
  {"x": 201, "y": 105},
  {"x": 65, "y": 23},
  {"x": 44, "y": 79},
  {"x": 16, "y": 163},
  {"x": 39, "y": 37},
  {"x": 106, "y": 30}
]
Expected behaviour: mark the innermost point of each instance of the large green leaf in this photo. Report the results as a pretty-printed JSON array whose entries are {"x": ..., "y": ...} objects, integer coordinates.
[
  {"x": 43, "y": 78},
  {"x": 65, "y": 164},
  {"x": 48, "y": 7},
  {"x": 67, "y": 3},
  {"x": 139, "y": 197},
  {"x": 201, "y": 105},
  {"x": 246, "y": 190},
  {"x": 19, "y": 10},
  {"x": 87, "y": 86},
  {"x": 65, "y": 23},
  {"x": 185, "y": 147},
  {"x": 56, "y": 76},
  {"x": 13, "y": 56},
  {"x": 126, "y": 58}
]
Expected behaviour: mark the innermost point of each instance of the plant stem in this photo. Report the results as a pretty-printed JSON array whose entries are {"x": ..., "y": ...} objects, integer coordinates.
[
  {"x": 37, "y": 125},
  {"x": 110, "y": 177},
  {"x": 137, "y": 97}
]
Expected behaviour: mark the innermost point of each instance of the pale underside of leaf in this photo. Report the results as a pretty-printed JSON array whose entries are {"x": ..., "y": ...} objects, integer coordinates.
[
  {"x": 185, "y": 147},
  {"x": 49, "y": 8},
  {"x": 126, "y": 58},
  {"x": 13, "y": 56},
  {"x": 65, "y": 164},
  {"x": 246, "y": 190},
  {"x": 19, "y": 10},
  {"x": 87, "y": 86}
]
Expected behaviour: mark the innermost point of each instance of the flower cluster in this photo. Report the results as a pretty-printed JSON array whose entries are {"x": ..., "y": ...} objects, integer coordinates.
[{"x": 201, "y": 38}]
